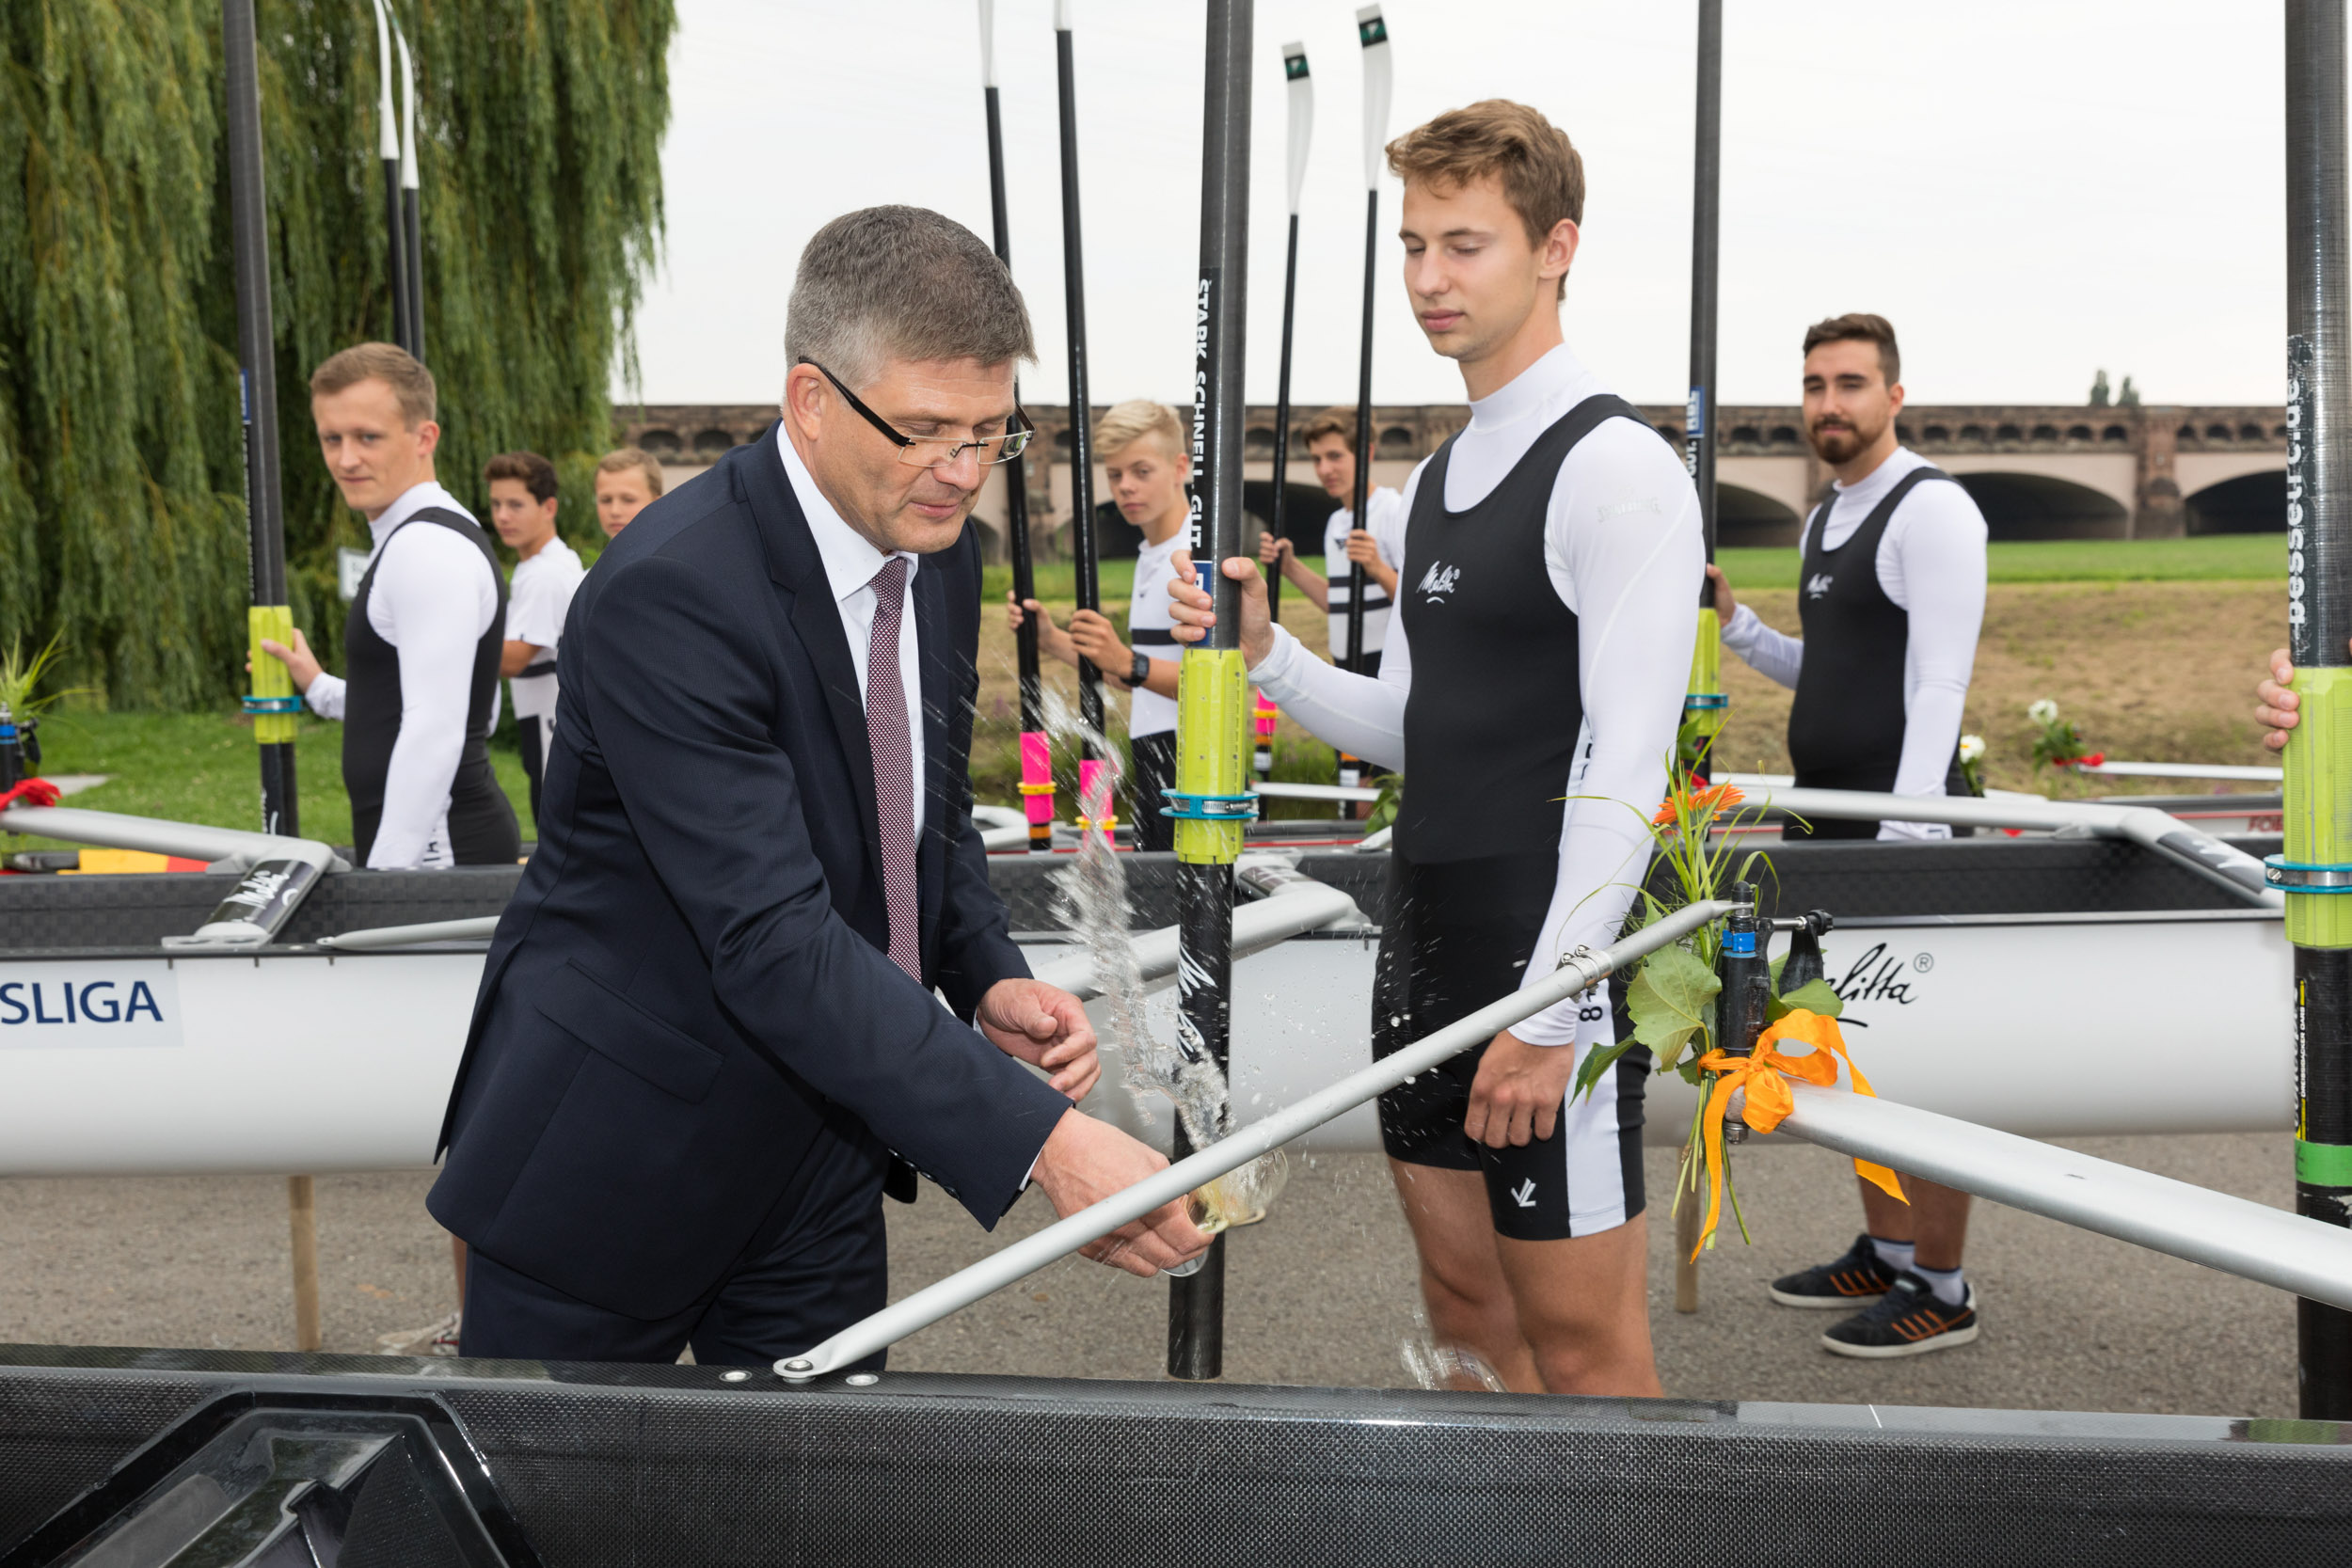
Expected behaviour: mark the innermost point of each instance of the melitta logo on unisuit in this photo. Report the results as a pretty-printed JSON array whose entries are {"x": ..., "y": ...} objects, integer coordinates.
[
  {"x": 1818, "y": 587},
  {"x": 88, "y": 1006},
  {"x": 1437, "y": 582}
]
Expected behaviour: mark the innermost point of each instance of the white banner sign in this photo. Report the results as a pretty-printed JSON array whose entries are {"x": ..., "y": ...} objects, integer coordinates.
[{"x": 69, "y": 1006}]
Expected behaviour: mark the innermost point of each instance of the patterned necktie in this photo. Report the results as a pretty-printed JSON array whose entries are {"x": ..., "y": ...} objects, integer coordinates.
[{"x": 887, "y": 742}]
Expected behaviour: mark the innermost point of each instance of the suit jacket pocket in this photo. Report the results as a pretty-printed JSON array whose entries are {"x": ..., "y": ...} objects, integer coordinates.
[{"x": 619, "y": 1030}]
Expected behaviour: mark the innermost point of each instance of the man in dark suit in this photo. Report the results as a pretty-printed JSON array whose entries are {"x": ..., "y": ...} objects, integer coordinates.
[{"x": 707, "y": 1025}]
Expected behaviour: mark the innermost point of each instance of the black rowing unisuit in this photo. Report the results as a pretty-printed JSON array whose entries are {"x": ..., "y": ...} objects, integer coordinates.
[
  {"x": 1496, "y": 705},
  {"x": 1846, "y": 727},
  {"x": 481, "y": 828}
]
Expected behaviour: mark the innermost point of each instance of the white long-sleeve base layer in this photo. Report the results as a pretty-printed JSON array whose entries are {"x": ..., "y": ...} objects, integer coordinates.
[
  {"x": 1623, "y": 549},
  {"x": 434, "y": 597},
  {"x": 1931, "y": 564}
]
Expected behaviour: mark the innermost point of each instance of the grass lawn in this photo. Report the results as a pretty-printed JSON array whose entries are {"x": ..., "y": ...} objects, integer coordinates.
[
  {"x": 203, "y": 767},
  {"x": 2222, "y": 557}
]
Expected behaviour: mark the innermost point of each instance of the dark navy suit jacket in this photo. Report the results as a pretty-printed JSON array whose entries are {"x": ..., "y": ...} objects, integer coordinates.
[{"x": 691, "y": 992}]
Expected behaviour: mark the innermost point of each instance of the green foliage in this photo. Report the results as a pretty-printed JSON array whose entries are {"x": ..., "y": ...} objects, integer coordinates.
[
  {"x": 121, "y": 477},
  {"x": 1671, "y": 1000}
]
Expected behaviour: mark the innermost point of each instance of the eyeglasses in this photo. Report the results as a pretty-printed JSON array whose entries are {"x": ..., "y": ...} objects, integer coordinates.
[{"x": 932, "y": 452}]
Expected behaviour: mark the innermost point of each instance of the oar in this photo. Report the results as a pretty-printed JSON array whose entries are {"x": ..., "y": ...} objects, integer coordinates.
[
  {"x": 1210, "y": 800},
  {"x": 1301, "y": 91},
  {"x": 411, "y": 235},
  {"x": 1705, "y": 701},
  {"x": 387, "y": 152},
  {"x": 1036, "y": 751},
  {"x": 1083, "y": 554},
  {"x": 1372, "y": 34}
]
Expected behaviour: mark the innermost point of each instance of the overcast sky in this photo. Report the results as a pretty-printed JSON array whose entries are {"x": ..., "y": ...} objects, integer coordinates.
[{"x": 2031, "y": 189}]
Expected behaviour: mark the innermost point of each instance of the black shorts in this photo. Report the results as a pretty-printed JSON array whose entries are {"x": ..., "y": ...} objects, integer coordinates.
[
  {"x": 1457, "y": 937},
  {"x": 1151, "y": 773}
]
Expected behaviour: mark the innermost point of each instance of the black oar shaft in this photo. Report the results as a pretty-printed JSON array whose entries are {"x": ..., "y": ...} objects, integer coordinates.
[
  {"x": 2319, "y": 620},
  {"x": 257, "y": 374},
  {"x": 1706, "y": 227},
  {"x": 1282, "y": 418},
  {"x": 1017, "y": 490},
  {"x": 1360, "y": 496},
  {"x": 1213, "y": 701},
  {"x": 411, "y": 224},
  {"x": 1084, "y": 557}
]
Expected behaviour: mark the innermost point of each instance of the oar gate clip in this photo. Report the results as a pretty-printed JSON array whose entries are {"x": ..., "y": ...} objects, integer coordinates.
[
  {"x": 2305, "y": 876},
  {"x": 1209, "y": 808},
  {"x": 274, "y": 704},
  {"x": 1706, "y": 701}
]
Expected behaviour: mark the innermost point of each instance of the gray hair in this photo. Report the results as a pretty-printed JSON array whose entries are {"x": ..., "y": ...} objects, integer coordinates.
[{"x": 902, "y": 283}]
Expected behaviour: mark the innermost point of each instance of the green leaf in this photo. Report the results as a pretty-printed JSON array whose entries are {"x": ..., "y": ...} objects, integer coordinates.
[
  {"x": 1594, "y": 1064},
  {"x": 1814, "y": 996},
  {"x": 1669, "y": 1001}
]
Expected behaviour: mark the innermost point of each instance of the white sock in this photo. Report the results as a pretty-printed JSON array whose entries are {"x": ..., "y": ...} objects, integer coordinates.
[
  {"x": 1950, "y": 1288},
  {"x": 1895, "y": 1254}
]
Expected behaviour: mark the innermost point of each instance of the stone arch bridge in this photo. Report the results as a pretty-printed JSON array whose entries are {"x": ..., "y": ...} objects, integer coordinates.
[{"x": 2038, "y": 471}]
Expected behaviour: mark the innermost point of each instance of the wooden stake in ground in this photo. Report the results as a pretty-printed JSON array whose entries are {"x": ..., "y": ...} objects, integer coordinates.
[{"x": 303, "y": 1223}]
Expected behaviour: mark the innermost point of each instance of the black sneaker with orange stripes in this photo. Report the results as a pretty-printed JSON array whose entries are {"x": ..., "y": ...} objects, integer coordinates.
[
  {"x": 1909, "y": 1320},
  {"x": 1846, "y": 1283}
]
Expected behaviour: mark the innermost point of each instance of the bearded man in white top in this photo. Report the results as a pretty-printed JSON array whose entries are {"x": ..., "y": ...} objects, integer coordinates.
[
  {"x": 1530, "y": 690},
  {"x": 425, "y": 635},
  {"x": 523, "y": 502},
  {"x": 1891, "y": 596}
]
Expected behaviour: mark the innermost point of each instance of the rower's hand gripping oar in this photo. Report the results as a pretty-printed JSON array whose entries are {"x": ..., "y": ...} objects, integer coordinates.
[{"x": 1578, "y": 972}]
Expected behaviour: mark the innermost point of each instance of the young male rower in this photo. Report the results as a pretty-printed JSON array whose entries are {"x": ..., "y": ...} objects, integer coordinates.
[
  {"x": 1530, "y": 692},
  {"x": 1892, "y": 595},
  {"x": 1378, "y": 546},
  {"x": 424, "y": 635},
  {"x": 523, "y": 501},
  {"x": 1141, "y": 444},
  {"x": 627, "y": 481}
]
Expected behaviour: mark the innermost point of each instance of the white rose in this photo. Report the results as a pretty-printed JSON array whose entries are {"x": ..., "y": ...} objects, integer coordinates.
[
  {"x": 2042, "y": 712},
  {"x": 1971, "y": 748}
]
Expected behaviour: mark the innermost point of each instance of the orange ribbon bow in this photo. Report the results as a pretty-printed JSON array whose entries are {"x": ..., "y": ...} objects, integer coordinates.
[{"x": 1769, "y": 1100}]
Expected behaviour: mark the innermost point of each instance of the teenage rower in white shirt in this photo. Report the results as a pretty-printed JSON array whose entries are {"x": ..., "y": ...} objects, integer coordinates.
[
  {"x": 1378, "y": 545},
  {"x": 523, "y": 502}
]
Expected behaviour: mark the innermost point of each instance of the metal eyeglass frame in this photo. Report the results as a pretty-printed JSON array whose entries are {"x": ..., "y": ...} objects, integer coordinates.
[{"x": 1009, "y": 445}]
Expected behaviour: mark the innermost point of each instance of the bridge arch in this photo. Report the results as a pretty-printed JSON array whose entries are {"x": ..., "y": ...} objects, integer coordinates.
[
  {"x": 2249, "y": 503},
  {"x": 2043, "y": 506},
  {"x": 1750, "y": 519}
]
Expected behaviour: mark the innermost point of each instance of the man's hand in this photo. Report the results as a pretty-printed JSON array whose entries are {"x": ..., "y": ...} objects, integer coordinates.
[
  {"x": 1364, "y": 550},
  {"x": 1192, "y": 615},
  {"x": 2279, "y": 704},
  {"x": 1086, "y": 1161},
  {"x": 1051, "y": 639},
  {"x": 1726, "y": 606},
  {"x": 1044, "y": 1027},
  {"x": 1516, "y": 1096},
  {"x": 298, "y": 660},
  {"x": 1094, "y": 636}
]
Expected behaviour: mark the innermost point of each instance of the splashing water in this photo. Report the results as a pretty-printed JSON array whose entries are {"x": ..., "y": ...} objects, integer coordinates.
[
  {"x": 1442, "y": 1367},
  {"x": 1093, "y": 901}
]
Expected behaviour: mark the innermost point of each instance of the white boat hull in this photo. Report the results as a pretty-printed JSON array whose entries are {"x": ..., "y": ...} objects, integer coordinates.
[{"x": 301, "y": 1061}]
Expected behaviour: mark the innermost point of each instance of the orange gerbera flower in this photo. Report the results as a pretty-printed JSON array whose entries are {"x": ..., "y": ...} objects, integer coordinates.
[{"x": 1703, "y": 804}]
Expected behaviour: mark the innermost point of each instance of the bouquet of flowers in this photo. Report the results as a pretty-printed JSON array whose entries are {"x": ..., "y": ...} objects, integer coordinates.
[
  {"x": 1972, "y": 763},
  {"x": 2060, "y": 744}
]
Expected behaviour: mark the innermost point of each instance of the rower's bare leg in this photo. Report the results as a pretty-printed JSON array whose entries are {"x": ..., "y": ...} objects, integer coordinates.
[
  {"x": 1935, "y": 1221},
  {"x": 1583, "y": 1306},
  {"x": 1462, "y": 1282}
]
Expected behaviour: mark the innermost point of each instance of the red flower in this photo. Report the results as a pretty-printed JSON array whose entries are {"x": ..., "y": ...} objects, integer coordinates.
[{"x": 1704, "y": 805}]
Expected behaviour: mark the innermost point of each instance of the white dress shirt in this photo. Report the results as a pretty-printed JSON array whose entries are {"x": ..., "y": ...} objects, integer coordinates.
[
  {"x": 851, "y": 563},
  {"x": 1623, "y": 549},
  {"x": 1932, "y": 562},
  {"x": 434, "y": 595}
]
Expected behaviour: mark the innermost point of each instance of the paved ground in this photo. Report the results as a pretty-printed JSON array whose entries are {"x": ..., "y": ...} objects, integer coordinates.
[{"x": 1320, "y": 1293}]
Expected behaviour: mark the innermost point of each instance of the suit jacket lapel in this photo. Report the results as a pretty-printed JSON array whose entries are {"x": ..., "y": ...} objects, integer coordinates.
[{"x": 794, "y": 565}]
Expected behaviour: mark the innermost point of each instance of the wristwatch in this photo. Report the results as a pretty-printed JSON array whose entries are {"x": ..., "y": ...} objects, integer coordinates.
[{"x": 1141, "y": 671}]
